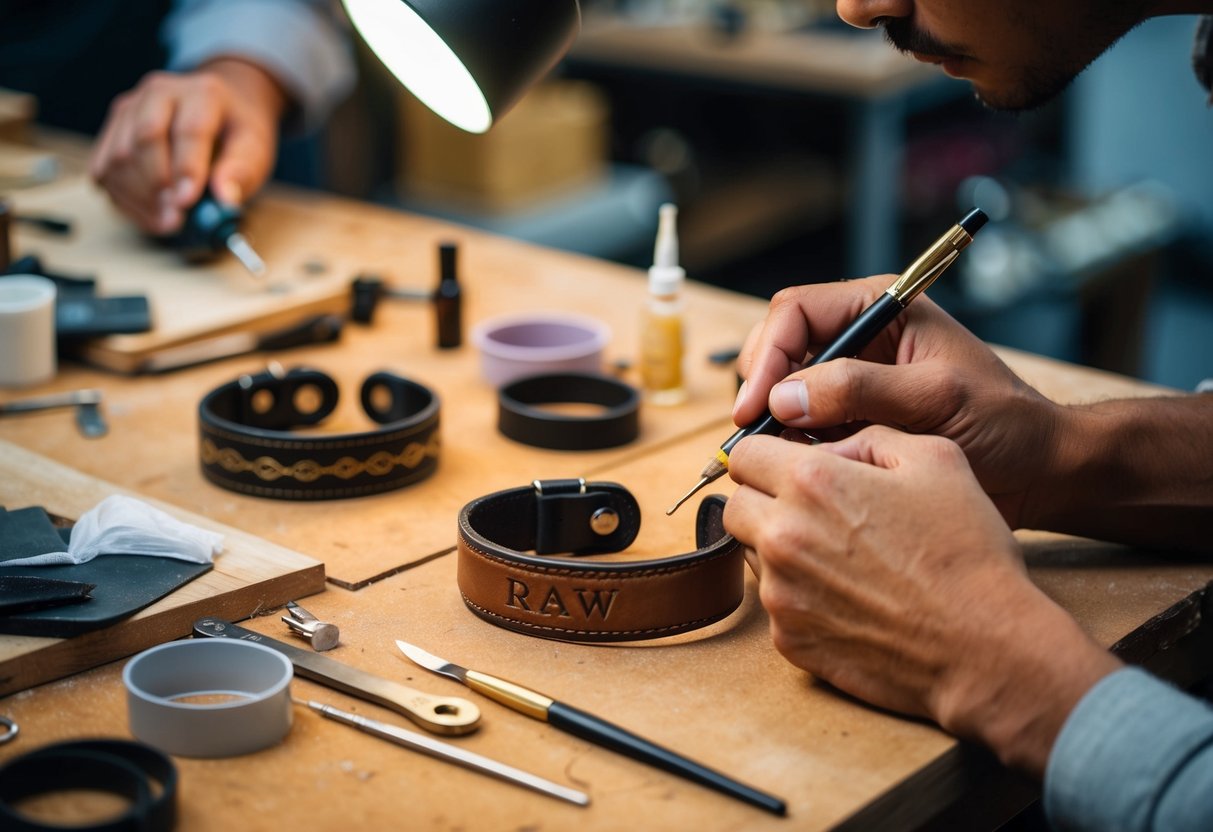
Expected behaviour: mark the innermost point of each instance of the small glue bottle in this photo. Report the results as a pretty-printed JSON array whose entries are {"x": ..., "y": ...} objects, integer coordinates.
[
  {"x": 448, "y": 299},
  {"x": 661, "y": 333}
]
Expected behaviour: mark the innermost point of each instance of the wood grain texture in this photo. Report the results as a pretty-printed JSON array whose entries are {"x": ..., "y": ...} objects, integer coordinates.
[
  {"x": 153, "y": 445},
  {"x": 188, "y": 302},
  {"x": 249, "y": 575},
  {"x": 722, "y": 695}
]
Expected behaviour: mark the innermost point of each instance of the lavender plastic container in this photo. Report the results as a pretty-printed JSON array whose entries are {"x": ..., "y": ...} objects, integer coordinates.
[{"x": 513, "y": 346}]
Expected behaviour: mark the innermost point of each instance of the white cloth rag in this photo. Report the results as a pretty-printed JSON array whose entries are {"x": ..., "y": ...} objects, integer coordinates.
[{"x": 120, "y": 525}]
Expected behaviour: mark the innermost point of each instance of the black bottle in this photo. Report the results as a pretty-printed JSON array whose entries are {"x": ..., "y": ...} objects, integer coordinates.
[
  {"x": 448, "y": 300},
  {"x": 6, "y": 251}
]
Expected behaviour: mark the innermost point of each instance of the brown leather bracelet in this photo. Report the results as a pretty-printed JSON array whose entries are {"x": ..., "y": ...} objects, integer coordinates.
[{"x": 506, "y": 578}]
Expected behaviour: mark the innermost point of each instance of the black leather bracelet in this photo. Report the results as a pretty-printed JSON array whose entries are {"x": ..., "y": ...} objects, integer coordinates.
[
  {"x": 246, "y": 444},
  {"x": 128, "y": 769},
  {"x": 617, "y": 424}
]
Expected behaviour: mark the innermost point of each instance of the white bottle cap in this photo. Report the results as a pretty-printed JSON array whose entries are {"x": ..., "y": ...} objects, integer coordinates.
[{"x": 665, "y": 275}]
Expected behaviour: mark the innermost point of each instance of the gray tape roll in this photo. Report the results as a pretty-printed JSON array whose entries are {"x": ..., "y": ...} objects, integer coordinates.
[{"x": 251, "y": 681}]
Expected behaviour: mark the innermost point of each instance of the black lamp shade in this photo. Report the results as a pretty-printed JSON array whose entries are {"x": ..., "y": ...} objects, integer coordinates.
[{"x": 505, "y": 46}]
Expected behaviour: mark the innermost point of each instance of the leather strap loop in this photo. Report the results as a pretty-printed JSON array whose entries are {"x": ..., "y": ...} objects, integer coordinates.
[
  {"x": 507, "y": 578},
  {"x": 617, "y": 424},
  {"x": 246, "y": 444},
  {"x": 120, "y": 767}
]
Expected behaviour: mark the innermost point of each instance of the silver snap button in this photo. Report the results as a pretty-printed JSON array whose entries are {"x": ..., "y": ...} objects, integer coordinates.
[{"x": 604, "y": 521}]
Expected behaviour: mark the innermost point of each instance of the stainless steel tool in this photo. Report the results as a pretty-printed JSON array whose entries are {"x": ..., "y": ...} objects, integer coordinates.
[
  {"x": 452, "y": 754},
  {"x": 87, "y": 403},
  {"x": 441, "y": 714},
  {"x": 597, "y": 730},
  {"x": 322, "y": 635}
]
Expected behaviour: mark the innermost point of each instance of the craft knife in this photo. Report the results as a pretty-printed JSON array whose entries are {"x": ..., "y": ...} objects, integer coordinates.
[
  {"x": 589, "y": 727},
  {"x": 440, "y": 714}
]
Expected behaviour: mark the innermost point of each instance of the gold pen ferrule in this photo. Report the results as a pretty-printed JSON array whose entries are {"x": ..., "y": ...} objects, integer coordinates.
[
  {"x": 930, "y": 264},
  {"x": 515, "y": 697}
]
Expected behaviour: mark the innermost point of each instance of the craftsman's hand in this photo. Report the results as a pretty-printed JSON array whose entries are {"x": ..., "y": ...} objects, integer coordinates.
[
  {"x": 925, "y": 374},
  {"x": 173, "y": 134},
  {"x": 888, "y": 573}
]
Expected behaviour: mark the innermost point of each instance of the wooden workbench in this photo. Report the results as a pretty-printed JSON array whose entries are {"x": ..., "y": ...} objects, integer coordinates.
[{"x": 722, "y": 696}]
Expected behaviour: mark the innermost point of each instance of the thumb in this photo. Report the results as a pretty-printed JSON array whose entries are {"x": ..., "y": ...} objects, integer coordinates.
[
  {"x": 243, "y": 163},
  {"x": 846, "y": 390}
]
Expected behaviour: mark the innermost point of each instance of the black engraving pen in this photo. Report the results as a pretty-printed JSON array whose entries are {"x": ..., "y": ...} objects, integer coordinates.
[{"x": 913, "y": 281}]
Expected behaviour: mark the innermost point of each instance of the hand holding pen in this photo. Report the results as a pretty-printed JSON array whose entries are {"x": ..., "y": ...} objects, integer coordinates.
[{"x": 912, "y": 282}]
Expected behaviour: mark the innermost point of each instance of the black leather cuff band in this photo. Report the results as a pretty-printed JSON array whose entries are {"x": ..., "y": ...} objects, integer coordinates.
[
  {"x": 246, "y": 444},
  {"x": 506, "y": 579},
  {"x": 520, "y": 420},
  {"x": 132, "y": 770}
]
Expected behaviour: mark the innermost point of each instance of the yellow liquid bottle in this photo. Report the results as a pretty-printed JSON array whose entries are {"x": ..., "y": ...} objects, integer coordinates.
[{"x": 661, "y": 330}]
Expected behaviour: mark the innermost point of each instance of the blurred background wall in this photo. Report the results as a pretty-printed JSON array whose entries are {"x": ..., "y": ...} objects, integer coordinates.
[{"x": 801, "y": 150}]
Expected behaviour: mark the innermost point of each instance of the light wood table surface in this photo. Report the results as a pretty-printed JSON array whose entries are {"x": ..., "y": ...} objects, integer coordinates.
[{"x": 722, "y": 696}]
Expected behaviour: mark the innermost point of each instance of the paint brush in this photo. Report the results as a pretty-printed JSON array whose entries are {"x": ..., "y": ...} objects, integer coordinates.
[{"x": 589, "y": 727}]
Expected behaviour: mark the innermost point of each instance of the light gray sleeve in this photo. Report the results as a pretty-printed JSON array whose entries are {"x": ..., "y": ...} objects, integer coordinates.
[
  {"x": 304, "y": 44},
  {"x": 1135, "y": 754}
]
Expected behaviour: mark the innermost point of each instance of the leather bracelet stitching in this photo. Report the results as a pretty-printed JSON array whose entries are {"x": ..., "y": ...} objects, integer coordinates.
[
  {"x": 267, "y": 468},
  {"x": 530, "y": 587},
  {"x": 402, "y": 452},
  {"x": 681, "y": 626},
  {"x": 311, "y": 445},
  {"x": 578, "y": 572}
]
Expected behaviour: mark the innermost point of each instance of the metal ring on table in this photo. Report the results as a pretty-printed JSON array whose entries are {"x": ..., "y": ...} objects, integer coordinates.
[{"x": 11, "y": 729}]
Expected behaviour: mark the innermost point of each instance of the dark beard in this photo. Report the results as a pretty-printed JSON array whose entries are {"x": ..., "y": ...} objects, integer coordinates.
[{"x": 1037, "y": 86}]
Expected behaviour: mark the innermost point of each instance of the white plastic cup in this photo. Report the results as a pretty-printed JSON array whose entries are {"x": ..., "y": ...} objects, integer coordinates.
[{"x": 27, "y": 330}]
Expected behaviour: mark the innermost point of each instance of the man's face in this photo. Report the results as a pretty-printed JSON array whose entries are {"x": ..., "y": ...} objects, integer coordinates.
[{"x": 1018, "y": 54}]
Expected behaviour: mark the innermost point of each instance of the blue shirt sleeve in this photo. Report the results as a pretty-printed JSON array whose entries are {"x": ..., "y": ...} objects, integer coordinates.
[
  {"x": 1135, "y": 754},
  {"x": 304, "y": 44}
]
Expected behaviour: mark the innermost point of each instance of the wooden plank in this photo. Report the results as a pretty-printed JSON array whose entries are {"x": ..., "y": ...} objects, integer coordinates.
[
  {"x": 153, "y": 447},
  {"x": 249, "y": 575},
  {"x": 722, "y": 696},
  {"x": 188, "y": 301}
]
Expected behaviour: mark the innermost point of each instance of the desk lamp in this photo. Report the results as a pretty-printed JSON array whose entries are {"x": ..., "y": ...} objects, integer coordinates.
[{"x": 467, "y": 60}]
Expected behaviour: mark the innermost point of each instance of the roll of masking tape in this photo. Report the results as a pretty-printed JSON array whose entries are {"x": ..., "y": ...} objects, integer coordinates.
[
  {"x": 209, "y": 698},
  {"x": 27, "y": 330}
]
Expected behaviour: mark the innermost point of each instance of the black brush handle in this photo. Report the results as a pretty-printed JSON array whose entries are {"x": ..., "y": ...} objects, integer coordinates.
[{"x": 600, "y": 732}]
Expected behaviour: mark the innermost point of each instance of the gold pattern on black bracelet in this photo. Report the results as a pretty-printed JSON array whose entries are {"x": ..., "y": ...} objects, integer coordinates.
[{"x": 308, "y": 470}]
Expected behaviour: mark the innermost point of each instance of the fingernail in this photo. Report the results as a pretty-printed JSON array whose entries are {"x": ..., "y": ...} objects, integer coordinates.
[
  {"x": 227, "y": 192},
  {"x": 790, "y": 400},
  {"x": 169, "y": 219},
  {"x": 740, "y": 398},
  {"x": 184, "y": 190}
]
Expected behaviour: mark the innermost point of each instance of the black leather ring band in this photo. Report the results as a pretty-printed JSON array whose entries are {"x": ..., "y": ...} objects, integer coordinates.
[
  {"x": 520, "y": 420},
  {"x": 120, "y": 767},
  {"x": 506, "y": 577},
  {"x": 246, "y": 443}
]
